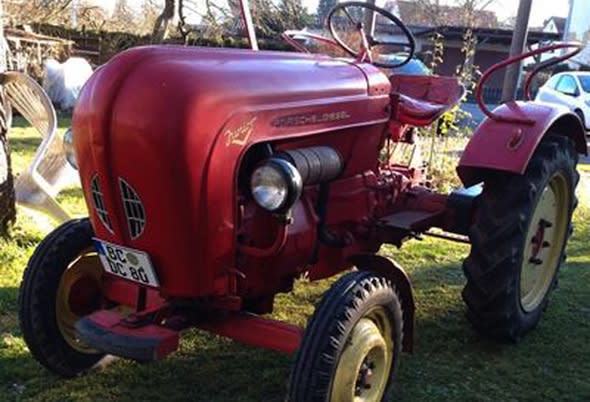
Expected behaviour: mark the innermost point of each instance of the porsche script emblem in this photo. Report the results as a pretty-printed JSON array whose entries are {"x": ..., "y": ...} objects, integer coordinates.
[
  {"x": 240, "y": 135},
  {"x": 309, "y": 118}
]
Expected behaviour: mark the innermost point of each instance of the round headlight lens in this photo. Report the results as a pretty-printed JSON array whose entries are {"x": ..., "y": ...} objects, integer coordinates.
[
  {"x": 275, "y": 185},
  {"x": 69, "y": 148}
]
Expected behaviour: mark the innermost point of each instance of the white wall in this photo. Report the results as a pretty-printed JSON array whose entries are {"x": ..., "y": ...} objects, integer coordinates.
[{"x": 579, "y": 27}]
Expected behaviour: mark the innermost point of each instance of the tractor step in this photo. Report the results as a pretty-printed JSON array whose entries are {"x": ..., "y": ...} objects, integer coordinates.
[
  {"x": 410, "y": 220},
  {"x": 106, "y": 332}
]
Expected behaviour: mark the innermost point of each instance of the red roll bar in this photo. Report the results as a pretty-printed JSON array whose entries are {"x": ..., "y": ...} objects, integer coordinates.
[
  {"x": 247, "y": 20},
  {"x": 479, "y": 92}
]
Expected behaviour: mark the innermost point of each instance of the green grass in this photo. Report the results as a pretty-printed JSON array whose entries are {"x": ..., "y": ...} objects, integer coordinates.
[{"x": 451, "y": 362}]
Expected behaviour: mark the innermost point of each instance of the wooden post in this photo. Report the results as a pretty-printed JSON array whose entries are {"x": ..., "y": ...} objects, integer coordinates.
[
  {"x": 7, "y": 199},
  {"x": 247, "y": 19},
  {"x": 3, "y": 49},
  {"x": 370, "y": 18},
  {"x": 519, "y": 39}
]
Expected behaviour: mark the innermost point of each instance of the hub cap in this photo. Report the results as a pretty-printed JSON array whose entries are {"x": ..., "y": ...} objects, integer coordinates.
[
  {"x": 364, "y": 367},
  {"x": 544, "y": 242},
  {"x": 79, "y": 293}
]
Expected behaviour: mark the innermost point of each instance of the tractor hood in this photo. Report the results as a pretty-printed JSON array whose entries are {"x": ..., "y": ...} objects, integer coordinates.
[{"x": 164, "y": 127}]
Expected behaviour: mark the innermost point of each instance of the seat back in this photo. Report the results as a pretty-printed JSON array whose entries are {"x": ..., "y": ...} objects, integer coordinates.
[
  {"x": 30, "y": 100},
  {"x": 436, "y": 89},
  {"x": 419, "y": 100},
  {"x": 49, "y": 171}
]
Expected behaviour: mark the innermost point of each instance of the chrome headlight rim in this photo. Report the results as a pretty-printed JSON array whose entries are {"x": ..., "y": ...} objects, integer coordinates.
[
  {"x": 291, "y": 180},
  {"x": 68, "y": 144}
]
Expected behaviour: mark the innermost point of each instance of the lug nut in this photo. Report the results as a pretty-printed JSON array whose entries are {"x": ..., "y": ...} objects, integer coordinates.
[{"x": 545, "y": 224}]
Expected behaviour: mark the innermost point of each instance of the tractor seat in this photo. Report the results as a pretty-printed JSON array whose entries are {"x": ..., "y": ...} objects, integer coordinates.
[{"x": 421, "y": 99}]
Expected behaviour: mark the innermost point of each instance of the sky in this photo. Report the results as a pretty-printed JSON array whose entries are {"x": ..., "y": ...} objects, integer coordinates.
[{"x": 541, "y": 10}]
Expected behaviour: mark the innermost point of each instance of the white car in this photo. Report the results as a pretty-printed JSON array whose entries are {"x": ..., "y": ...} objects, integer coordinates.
[{"x": 571, "y": 89}]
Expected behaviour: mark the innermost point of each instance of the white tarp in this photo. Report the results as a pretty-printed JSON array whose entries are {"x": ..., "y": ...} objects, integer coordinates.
[{"x": 63, "y": 81}]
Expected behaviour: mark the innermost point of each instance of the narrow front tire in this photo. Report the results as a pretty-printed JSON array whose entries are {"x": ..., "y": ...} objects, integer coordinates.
[
  {"x": 62, "y": 283},
  {"x": 352, "y": 343}
]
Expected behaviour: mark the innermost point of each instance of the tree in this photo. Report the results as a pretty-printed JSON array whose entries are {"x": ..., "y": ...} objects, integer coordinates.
[
  {"x": 124, "y": 18},
  {"x": 324, "y": 7},
  {"x": 38, "y": 11},
  {"x": 293, "y": 15},
  {"x": 166, "y": 16},
  {"x": 7, "y": 199},
  {"x": 272, "y": 20},
  {"x": 468, "y": 13}
]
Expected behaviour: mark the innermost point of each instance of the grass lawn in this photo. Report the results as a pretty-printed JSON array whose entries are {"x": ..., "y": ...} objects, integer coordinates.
[{"x": 451, "y": 362}]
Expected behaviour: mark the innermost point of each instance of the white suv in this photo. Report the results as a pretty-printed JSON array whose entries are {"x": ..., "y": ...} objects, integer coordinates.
[{"x": 571, "y": 89}]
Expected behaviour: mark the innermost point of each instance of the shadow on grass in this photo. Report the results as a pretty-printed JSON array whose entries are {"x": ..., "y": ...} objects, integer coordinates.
[
  {"x": 8, "y": 298},
  {"x": 451, "y": 362},
  {"x": 70, "y": 192},
  {"x": 64, "y": 120},
  {"x": 218, "y": 370}
]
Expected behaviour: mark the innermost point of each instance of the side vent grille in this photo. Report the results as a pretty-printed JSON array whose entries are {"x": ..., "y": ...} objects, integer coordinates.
[
  {"x": 134, "y": 210},
  {"x": 98, "y": 200}
]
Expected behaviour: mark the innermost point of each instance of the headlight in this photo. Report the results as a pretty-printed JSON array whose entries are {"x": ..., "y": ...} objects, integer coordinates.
[
  {"x": 276, "y": 185},
  {"x": 69, "y": 148}
]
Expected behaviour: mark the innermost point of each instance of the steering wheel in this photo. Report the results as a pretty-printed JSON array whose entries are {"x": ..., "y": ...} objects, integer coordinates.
[{"x": 368, "y": 42}]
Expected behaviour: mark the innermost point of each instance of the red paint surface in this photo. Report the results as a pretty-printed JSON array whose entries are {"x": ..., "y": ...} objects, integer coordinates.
[
  {"x": 493, "y": 143},
  {"x": 178, "y": 124},
  {"x": 158, "y": 117},
  {"x": 110, "y": 322},
  {"x": 256, "y": 331}
]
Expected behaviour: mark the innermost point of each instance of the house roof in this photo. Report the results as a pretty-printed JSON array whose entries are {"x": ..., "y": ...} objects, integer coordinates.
[
  {"x": 559, "y": 22},
  {"x": 414, "y": 13},
  {"x": 484, "y": 35}
]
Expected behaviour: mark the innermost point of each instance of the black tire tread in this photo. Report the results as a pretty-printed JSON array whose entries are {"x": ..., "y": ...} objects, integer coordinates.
[
  {"x": 497, "y": 240},
  {"x": 37, "y": 299},
  {"x": 328, "y": 329}
]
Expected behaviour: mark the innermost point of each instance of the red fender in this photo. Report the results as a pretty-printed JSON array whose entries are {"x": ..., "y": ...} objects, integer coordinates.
[
  {"x": 507, "y": 141},
  {"x": 394, "y": 272}
]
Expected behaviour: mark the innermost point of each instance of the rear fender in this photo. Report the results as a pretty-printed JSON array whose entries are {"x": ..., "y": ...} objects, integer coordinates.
[
  {"x": 394, "y": 272},
  {"x": 502, "y": 145}
]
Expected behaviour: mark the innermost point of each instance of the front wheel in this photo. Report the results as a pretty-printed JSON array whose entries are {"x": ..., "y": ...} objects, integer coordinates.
[
  {"x": 351, "y": 347},
  {"x": 518, "y": 241},
  {"x": 582, "y": 117},
  {"x": 61, "y": 284}
]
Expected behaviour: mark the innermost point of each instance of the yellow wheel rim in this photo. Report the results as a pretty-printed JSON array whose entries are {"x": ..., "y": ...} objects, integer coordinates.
[
  {"x": 544, "y": 242},
  {"x": 365, "y": 364},
  {"x": 78, "y": 294}
]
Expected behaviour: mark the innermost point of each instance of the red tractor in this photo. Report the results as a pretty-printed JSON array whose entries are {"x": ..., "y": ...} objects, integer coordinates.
[{"x": 214, "y": 178}]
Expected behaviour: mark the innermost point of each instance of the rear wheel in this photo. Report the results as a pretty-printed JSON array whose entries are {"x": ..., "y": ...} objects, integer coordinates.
[
  {"x": 582, "y": 117},
  {"x": 518, "y": 241},
  {"x": 351, "y": 347},
  {"x": 61, "y": 284}
]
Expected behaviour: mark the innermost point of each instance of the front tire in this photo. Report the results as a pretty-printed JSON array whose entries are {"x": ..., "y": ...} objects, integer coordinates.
[
  {"x": 518, "y": 241},
  {"x": 582, "y": 117},
  {"x": 61, "y": 284},
  {"x": 351, "y": 347}
]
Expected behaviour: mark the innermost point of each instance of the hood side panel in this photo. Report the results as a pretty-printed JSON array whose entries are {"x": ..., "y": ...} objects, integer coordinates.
[{"x": 159, "y": 118}]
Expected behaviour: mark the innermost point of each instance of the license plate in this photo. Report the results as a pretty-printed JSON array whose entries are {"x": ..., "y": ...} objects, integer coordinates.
[{"x": 127, "y": 263}]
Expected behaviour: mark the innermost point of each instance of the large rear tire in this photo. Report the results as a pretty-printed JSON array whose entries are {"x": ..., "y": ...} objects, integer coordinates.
[
  {"x": 62, "y": 283},
  {"x": 351, "y": 347},
  {"x": 518, "y": 241},
  {"x": 582, "y": 118}
]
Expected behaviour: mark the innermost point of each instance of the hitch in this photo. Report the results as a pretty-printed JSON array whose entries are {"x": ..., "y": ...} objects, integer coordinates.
[
  {"x": 108, "y": 332},
  {"x": 104, "y": 330}
]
